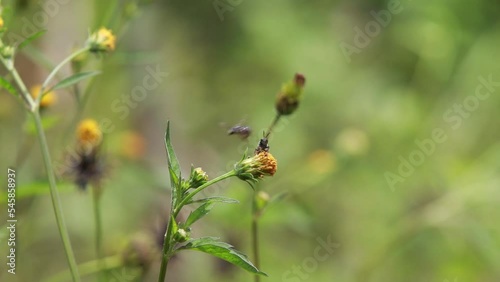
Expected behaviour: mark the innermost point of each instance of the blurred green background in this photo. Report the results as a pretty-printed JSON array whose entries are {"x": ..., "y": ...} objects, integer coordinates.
[{"x": 360, "y": 115}]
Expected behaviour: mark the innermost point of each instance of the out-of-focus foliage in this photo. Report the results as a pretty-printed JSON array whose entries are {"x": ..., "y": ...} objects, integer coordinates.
[{"x": 361, "y": 119}]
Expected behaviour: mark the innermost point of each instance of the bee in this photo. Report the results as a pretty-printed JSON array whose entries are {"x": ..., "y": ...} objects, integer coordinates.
[
  {"x": 263, "y": 146},
  {"x": 240, "y": 130}
]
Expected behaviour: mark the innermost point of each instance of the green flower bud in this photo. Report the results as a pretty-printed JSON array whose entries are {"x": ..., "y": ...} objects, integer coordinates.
[
  {"x": 102, "y": 40},
  {"x": 197, "y": 178},
  {"x": 261, "y": 201},
  {"x": 181, "y": 235},
  {"x": 8, "y": 52},
  {"x": 289, "y": 97}
]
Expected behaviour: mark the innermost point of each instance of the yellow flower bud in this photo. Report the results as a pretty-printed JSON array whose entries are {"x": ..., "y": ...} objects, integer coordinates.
[
  {"x": 1, "y": 22},
  {"x": 102, "y": 40},
  {"x": 48, "y": 99},
  {"x": 89, "y": 134}
]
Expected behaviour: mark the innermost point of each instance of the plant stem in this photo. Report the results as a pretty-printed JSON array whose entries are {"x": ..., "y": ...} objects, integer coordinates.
[
  {"x": 88, "y": 268},
  {"x": 273, "y": 124},
  {"x": 167, "y": 246},
  {"x": 255, "y": 244},
  {"x": 24, "y": 91},
  {"x": 174, "y": 211},
  {"x": 186, "y": 199},
  {"x": 54, "y": 194},
  {"x": 56, "y": 69},
  {"x": 98, "y": 228}
]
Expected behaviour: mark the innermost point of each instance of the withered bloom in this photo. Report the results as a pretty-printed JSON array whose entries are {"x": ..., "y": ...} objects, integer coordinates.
[
  {"x": 288, "y": 98},
  {"x": 86, "y": 166}
]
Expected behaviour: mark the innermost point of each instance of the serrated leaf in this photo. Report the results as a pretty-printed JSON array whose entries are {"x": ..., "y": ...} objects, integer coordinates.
[
  {"x": 73, "y": 79},
  {"x": 5, "y": 84},
  {"x": 173, "y": 163},
  {"x": 30, "y": 39},
  {"x": 211, "y": 245}
]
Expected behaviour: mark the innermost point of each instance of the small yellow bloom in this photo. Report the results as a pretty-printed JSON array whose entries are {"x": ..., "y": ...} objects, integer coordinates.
[
  {"x": 47, "y": 100},
  {"x": 102, "y": 41},
  {"x": 89, "y": 134},
  {"x": 260, "y": 165},
  {"x": 1, "y": 22}
]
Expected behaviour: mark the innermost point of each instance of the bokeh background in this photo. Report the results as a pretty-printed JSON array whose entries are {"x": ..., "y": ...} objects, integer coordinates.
[{"x": 226, "y": 60}]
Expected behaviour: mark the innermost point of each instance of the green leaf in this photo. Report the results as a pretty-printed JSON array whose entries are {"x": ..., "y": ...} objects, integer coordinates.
[
  {"x": 173, "y": 163},
  {"x": 47, "y": 123},
  {"x": 198, "y": 213},
  {"x": 211, "y": 245},
  {"x": 73, "y": 79},
  {"x": 4, "y": 83},
  {"x": 205, "y": 208},
  {"x": 36, "y": 189},
  {"x": 31, "y": 38},
  {"x": 216, "y": 199}
]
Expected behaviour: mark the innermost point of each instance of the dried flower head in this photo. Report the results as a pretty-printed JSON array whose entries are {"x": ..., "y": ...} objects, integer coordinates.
[
  {"x": 48, "y": 99},
  {"x": 86, "y": 167},
  {"x": 102, "y": 40},
  {"x": 288, "y": 98},
  {"x": 254, "y": 168},
  {"x": 89, "y": 135}
]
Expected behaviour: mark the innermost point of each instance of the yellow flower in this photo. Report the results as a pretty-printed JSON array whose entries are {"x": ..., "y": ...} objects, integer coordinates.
[
  {"x": 1, "y": 22},
  {"x": 47, "y": 100},
  {"x": 254, "y": 168},
  {"x": 102, "y": 41},
  {"x": 89, "y": 134}
]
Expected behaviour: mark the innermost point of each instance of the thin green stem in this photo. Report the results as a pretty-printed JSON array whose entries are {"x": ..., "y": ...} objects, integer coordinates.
[
  {"x": 89, "y": 268},
  {"x": 54, "y": 194},
  {"x": 167, "y": 247},
  {"x": 98, "y": 228},
  {"x": 273, "y": 124},
  {"x": 186, "y": 199},
  {"x": 56, "y": 70},
  {"x": 17, "y": 78},
  {"x": 255, "y": 244}
]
